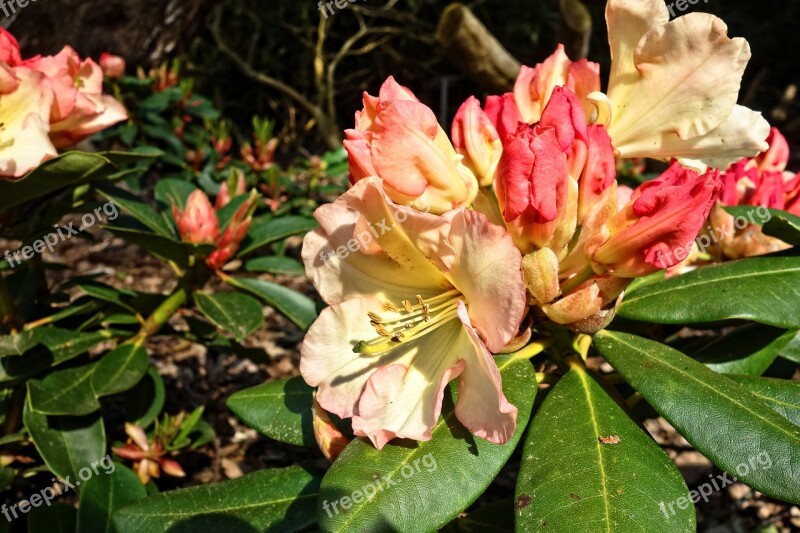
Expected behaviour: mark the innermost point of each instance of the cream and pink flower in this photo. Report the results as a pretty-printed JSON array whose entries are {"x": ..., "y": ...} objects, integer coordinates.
[
  {"x": 398, "y": 139},
  {"x": 80, "y": 108},
  {"x": 414, "y": 305}
]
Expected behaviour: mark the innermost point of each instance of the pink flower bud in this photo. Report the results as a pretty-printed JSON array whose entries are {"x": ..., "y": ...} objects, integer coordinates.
[
  {"x": 475, "y": 137},
  {"x": 234, "y": 234},
  {"x": 198, "y": 223},
  {"x": 113, "y": 66},
  {"x": 664, "y": 216}
]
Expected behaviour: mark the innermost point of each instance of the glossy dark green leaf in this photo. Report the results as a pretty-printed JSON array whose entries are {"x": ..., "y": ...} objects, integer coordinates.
[
  {"x": 120, "y": 369},
  {"x": 421, "y": 486},
  {"x": 18, "y": 343},
  {"x": 280, "y": 409},
  {"x": 63, "y": 344},
  {"x": 718, "y": 416},
  {"x": 280, "y": 499},
  {"x": 143, "y": 403},
  {"x": 56, "y": 518},
  {"x": 785, "y": 226},
  {"x": 163, "y": 247},
  {"x": 65, "y": 391},
  {"x": 233, "y": 312},
  {"x": 781, "y": 395},
  {"x": 588, "y": 467},
  {"x": 139, "y": 210},
  {"x": 748, "y": 349},
  {"x": 276, "y": 264},
  {"x": 53, "y": 175},
  {"x": 495, "y": 517},
  {"x": 66, "y": 443},
  {"x": 297, "y": 307},
  {"x": 110, "y": 489},
  {"x": 762, "y": 289},
  {"x": 109, "y": 294},
  {"x": 265, "y": 231},
  {"x": 792, "y": 350}
]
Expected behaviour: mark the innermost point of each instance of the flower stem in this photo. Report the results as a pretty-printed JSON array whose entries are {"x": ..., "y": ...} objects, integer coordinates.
[{"x": 161, "y": 315}]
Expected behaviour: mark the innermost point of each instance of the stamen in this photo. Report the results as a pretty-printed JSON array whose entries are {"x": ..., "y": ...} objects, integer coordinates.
[
  {"x": 375, "y": 317},
  {"x": 408, "y": 306}
]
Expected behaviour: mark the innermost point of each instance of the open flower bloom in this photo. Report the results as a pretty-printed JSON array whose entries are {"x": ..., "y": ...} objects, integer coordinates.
[
  {"x": 671, "y": 93},
  {"x": 664, "y": 215},
  {"x": 416, "y": 300},
  {"x": 398, "y": 139},
  {"x": 24, "y": 139},
  {"x": 673, "y": 87},
  {"x": 80, "y": 108}
]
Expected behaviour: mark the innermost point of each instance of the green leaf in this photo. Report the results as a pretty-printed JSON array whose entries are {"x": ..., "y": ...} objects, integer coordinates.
[
  {"x": 297, "y": 307},
  {"x": 437, "y": 479},
  {"x": 139, "y": 210},
  {"x": 66, "y": 444},
  {"x": 784, "y": 226},
  {"x": 163, "y": 247},
  {"x": 64, "y": 392},
  {"x": 18, "y": 343},
  {"x": 276, "y": 264},
  {"x": 51, "y": 176},
  {"x": 120, "y": 369},
  {"x": 718, "y": 416},
  {"x": 792, "y": 350},
  {"x": 226, "y": 213},
  {"x": 781, "y": 395},
  {"x": 280, "y": 409},
  {"x": 281, "y": 499},
  {"x": 571, "y": 481},
  {"x": 265, "y": 231},
  {"x": 496, "y": 517},
  {"x": 233, "y": 312},
  {"x": 171, "y": 191},
  {"x": 103, "y": 494},
  {"x": 749, "y": 349},
  {"x": 55, "y": 518},
  {"x": 109, "y": 294},
  {"x": 762, "y": 289},
  {"x": 144, "y": 402}
]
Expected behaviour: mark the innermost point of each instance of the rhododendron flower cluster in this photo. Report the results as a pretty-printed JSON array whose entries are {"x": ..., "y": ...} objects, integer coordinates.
[
  {"x": 526, "y": 218},
  {"x": 760, "y": 181},
  {"x": 48, "y": 103}
]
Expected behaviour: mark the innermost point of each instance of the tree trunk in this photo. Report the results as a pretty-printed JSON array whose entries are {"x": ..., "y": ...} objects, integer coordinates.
[
  {"x": 473, "y": 49},
  {"x": 144, "y": 32}
]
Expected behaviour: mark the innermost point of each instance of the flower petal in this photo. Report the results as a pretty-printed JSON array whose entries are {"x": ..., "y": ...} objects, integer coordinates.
[
  {"x": 688, "y": 79},
  {"x": 488, "y": 272},
  {"x": 482, "y": 406}
]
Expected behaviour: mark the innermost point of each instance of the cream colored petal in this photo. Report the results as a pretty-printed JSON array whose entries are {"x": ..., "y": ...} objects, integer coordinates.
[
  {"x": 688, "y": 83},
  {"x": 488, "y": 272},
  {"x": 327, "y": 359},
  {"x": 628, "y": 21},
  {"x": 341, "y": 261},
  {"x": 743, "y": 134}
]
